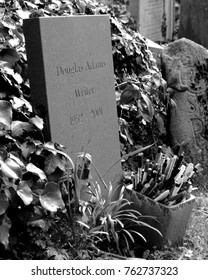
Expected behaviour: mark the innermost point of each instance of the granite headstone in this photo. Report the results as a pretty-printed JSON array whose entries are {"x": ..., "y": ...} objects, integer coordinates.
[
  {"x": 72, "y": 85},
  {"x": 153, "y": 16}
]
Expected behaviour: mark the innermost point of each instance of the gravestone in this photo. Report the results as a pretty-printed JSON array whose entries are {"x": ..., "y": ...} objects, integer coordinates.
[
  {"x": 72, "y": 85},
  {"x": 149, "y": 17},
  {"x": 185, "y": 67},
  {"x": 194, "y": 21}
]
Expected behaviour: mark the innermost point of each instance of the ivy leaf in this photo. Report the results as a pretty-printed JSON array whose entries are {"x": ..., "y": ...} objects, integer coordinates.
[
  {"x": 38, "y": 210},
  {"x": 4, "y": 31},
  {"x": 23, "y": 14},
  {"x": 52, "y": 162},
  {"x": 4, "y": 203},
  {"x": 124, "y": 19},
  {"x": 51, "y": 198},
  {"x": 3, "y": 153},
  {"x": 13, "y": 165},
  {"x": 34, "y": 169},
  {"x": 18, "y": 128},
  {"x": 8, "y": 22},
  {"x": 5, "y": 225},
  {"x": 41, "y": 223},
  {"x": 10, "y": 57},
  {"x": 124, "y": 130},
  {"x": 56, "y": 148},
  {"x": 37, "y": 121},
  {"x": 20, "y": 37},
  {"x": 11, "y": 169},
  {"x": 18, "y": 78},
  {"x": 31, "y": 5},
  {"x": 14, "y": 156},
  {"x": 18, "y": 103},
  {"x": 53, "y": 147},
  {"x": 160, "y": 124},
  {"x": 11, "y": 193},
  {"x": 146, "y": 108},
  {"x": 24, "y": 192},
  {"x": 27, "y": 148},
  {"x": 5, "y": 113},
  {"x": 131, "y": 93}
]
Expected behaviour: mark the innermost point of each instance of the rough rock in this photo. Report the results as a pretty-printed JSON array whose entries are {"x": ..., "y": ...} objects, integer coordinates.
[{"x": 185, "y": 68}]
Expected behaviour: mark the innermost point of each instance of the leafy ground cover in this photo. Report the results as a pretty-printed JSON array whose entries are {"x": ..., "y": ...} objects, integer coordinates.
[{"x": 40, "y": 214}]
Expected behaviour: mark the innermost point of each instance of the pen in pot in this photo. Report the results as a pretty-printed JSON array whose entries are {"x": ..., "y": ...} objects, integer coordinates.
[
  {"x": 176, "y": 198},
  {"x": 146, "y": 166},
  {"x": 188, "y": 172},
  {"x": 162, "y": 179},
  {"x": 179, "y": 177},
  {"x": 140, "y": 162},
  {"x": 162, "y": 163},
  {"x": 190, "y": 187},
  {"x": 176, "y": 169},
  {"x": 158, "y": 155},
  {"x": 159, "y": 150},
  {"x": 171, "y": 166},
  {"x": 177, "y": 164},
  {"x": 195, "y": 169},
  {"x": 148, "y": 174},
  {"x": 168, "y": 162},
  {"x": 147, "y": 186},
  {"x": 162, "y": 196},
  {"x": 177, "y": 149},
  {"x": 153, "y": 182},
  {"x": 178, "y": 181},
  {"x": 134, "y": 181},
  {"x": 157, "y": 187}
]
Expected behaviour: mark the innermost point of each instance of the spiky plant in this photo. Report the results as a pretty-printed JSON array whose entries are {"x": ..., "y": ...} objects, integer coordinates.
[{"x": 112, "y": 222}]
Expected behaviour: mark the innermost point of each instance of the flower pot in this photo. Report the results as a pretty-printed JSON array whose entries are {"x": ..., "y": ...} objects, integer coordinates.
[{"x": 173, "y": 220}]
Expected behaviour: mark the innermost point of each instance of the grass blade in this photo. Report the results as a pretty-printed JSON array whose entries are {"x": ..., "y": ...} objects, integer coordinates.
[{"x": 128, "y": 155}]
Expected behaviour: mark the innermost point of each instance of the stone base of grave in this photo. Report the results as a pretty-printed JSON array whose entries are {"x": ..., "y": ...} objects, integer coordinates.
[{"x": 171, "y": 221}]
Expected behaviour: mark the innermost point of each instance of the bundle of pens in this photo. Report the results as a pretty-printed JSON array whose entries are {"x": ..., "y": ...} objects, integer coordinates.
[{"x": 166, "y": 179}]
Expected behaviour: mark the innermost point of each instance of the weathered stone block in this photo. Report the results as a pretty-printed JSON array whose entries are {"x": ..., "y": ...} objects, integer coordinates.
[
  {"x": 185, "y": 67},
  {"x": 155, "y": 18}
]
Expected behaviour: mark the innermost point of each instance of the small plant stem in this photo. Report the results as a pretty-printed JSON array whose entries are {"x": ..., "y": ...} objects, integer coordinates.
[
  {"x": 69, "y": 212},
  {"x": 122, "y": 84},
  {"x": 128, "y": 155},
  {"x": 99, "y": 175}
]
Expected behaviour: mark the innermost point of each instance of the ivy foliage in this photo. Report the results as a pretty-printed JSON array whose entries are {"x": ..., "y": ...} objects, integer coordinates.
[{"x": 35, "y": 176}]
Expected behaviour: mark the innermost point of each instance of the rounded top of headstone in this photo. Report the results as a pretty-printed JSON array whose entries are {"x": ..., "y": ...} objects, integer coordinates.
[{"x": 185, "y": 65}]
